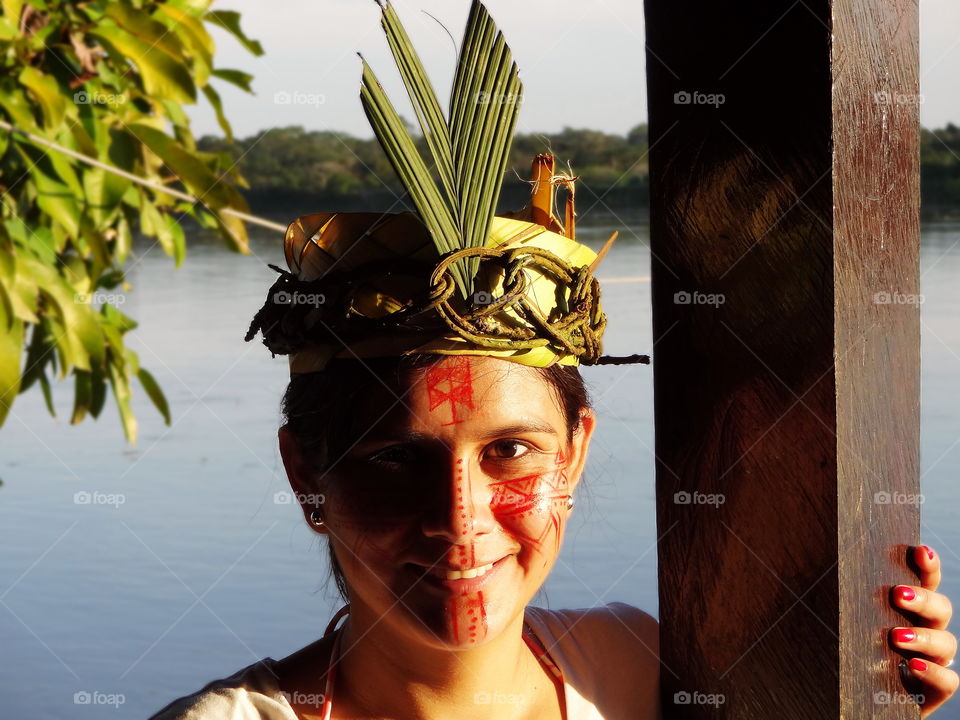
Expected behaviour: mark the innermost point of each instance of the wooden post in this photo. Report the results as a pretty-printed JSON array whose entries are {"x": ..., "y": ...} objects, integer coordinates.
[{"x": 785, "y": 240}]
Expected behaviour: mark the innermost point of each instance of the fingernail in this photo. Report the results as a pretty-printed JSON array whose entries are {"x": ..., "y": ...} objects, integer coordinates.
[
  {"x": 903, "y": 635},
  {"x": 917, "y": 664},
  {"x": 928, "y": 550},
  {"x": 905, "y": 593}
]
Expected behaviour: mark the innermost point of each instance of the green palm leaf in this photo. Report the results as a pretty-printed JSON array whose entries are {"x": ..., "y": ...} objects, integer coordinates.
[{"x": 470, "y": 151}]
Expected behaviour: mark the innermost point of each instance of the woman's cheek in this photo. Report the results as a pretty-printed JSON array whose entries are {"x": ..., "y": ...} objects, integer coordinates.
[
  {"x": 532, "y": 507},
  {"x": 368, "y": 522}
]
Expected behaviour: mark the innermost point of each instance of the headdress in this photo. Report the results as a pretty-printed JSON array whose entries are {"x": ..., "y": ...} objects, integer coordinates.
[{"x": 451, "y": 278}]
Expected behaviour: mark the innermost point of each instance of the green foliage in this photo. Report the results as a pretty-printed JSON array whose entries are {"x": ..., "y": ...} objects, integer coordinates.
[
  {"x": 469, "y": 150},
  {"x": 940, "y": 166},
  {"x": 107, "y": 79}
]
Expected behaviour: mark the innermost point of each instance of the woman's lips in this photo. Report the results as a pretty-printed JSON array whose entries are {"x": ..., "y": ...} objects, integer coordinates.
[{"x": 463, "y": 580}]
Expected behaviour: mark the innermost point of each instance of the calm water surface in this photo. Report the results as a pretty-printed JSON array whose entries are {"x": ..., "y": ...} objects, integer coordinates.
[{"x": 200, "y": 565}]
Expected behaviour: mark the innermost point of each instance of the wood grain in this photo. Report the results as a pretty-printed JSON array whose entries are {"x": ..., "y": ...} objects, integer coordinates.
[{"x": 785, "y": 385}]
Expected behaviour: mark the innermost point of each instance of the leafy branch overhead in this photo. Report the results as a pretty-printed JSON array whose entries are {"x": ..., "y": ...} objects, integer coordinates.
[
  {"x": 469, "y": 148},
  {"x": 109, "y": 80}
]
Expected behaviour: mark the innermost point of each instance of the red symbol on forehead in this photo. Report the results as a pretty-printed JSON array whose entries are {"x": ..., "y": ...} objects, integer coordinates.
[{"x": 459, "y": 388}]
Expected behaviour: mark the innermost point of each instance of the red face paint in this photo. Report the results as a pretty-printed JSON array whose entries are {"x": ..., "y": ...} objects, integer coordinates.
[
  {"x": 532, "y": 505},
  {"x": 450, "y": 381}
]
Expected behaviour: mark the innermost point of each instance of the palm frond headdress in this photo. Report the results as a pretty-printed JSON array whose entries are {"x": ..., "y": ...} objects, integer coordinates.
[{"x": 452, "y": 278}]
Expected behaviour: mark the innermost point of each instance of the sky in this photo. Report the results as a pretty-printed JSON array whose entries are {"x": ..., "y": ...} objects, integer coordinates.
[{"x": 581, "y": 61}]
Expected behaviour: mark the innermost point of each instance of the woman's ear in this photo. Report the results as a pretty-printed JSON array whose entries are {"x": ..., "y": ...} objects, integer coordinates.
[
  {"x": 300, "y": 476},
  {"x": 579, "y": 446}
]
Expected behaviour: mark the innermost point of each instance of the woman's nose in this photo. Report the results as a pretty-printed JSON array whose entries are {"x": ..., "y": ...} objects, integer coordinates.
[{"x": 461, "y": 510}]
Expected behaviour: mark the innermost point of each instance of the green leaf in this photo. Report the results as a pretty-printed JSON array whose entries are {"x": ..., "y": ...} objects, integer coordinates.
[
  {"x": 48, "y": 95},
  {"x": 47, "y": 394},
  {"x": 145, "y": 28},
  {"x": 177, "y": 239},
  {"x": 98, "y": 393},
  {"x": 470, "y": 150},
  {"x": 235, "y": 77},
  {"x": 53, "y": 196},
  {"x": 214, "y": 98},
  {"x": 229, "y": 20},
  {"x": 423, "y": 97},
  {"x": 162, "y": 75},
  {"x": 103, "y": 192},
  {"x": 8, "y": 31},
  {"x": 193, "y": 35},
  {"x": 198, "y": 178},
  {"x": 155, "y": 394},
  {"x": 120, "y": 384},
  {"x": 14, "y": 101},
  {"x": 402, "y": 153},
  {"x": 484, "y": 107},
  {"x": 83, "y": 395},
  {"x": 11, "y": 346}
]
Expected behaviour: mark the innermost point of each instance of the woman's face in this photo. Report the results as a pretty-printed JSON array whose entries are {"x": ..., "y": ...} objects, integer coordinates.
[{"x": 447, "y": 515}]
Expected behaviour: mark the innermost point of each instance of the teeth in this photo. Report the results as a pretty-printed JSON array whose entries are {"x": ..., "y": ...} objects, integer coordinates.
[{"x": 469, "y": 573}]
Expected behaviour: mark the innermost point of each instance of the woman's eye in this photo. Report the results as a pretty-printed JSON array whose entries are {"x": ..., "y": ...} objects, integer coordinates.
[
  {"x": 509, "y": 449},
  {"x": 393, "y": 455}
]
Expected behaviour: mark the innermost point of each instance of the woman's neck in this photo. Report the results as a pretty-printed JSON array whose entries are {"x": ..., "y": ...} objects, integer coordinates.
[{"x": 383, "y": 674}]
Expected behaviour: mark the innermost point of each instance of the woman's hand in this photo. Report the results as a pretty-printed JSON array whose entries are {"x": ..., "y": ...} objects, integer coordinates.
[{"x": 929, "y": 639}]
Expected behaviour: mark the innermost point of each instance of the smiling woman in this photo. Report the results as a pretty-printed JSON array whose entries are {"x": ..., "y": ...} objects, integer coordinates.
[{"x": 436, "y": 427}]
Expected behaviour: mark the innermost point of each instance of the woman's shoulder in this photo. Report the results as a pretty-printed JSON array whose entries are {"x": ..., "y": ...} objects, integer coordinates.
[
  {"x": 615, "y": 626},
  {"x": 250, "y": 693},
  {"x": 609, "y": 654}
]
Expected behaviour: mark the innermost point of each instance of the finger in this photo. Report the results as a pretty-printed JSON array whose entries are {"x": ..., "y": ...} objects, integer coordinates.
[
  {"x": 939, "y": 683},
  {"x": 938, "y": 645},
  {"x": 929, "y": 563},
  {"x": 933, "y": 608}
]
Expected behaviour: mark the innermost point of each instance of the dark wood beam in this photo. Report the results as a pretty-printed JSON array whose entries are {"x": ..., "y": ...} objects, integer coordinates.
[{"x": 785, "y": 239}]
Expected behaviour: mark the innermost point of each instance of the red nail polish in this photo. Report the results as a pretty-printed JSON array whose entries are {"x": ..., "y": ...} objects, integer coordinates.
[
  {"x": 917, "y": 664},
  {"x": 905, "y": 593},
  {"x": 902, "y": 635},
  {"x": 928, "y": 551}
]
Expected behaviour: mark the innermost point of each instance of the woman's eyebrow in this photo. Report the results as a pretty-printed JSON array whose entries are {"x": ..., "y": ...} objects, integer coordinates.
[{"x": 519, "y": 428}]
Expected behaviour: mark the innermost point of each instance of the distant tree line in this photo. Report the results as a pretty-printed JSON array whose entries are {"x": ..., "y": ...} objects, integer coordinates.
[{"x": 290, "y": 169}]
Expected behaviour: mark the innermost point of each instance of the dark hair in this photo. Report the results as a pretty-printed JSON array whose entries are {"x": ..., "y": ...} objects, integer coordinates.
[{"x": 313, "y": 408}]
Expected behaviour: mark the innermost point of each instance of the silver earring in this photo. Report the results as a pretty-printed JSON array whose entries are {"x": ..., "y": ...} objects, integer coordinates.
[
  {"x": 570, "y": 503},
  {"x": 315, "y": 518}
]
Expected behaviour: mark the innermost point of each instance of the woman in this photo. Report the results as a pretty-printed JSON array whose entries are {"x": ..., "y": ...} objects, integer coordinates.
[
  {"x": 453, "y": 464},
  {"x": 436, "y": 428}
]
